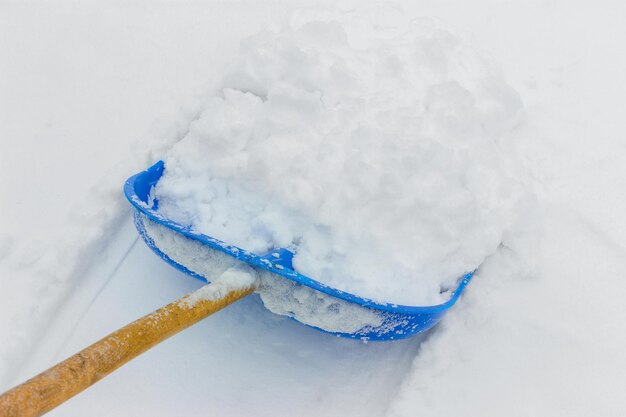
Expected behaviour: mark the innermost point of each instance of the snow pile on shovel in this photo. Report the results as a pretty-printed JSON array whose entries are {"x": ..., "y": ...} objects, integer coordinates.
[{"x": 379, "y": 148}]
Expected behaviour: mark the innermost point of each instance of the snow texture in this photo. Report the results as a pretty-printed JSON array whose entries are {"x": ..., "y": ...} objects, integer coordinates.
[
  {"x": 280, "y": 295},
  {"x": 375, "y": 144},
  {"x": 314, "y": 308},
  {"x": 189, "y": 253}
]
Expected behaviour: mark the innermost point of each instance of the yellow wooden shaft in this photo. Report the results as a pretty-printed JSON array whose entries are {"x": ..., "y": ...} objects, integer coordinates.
[{"x": 54, "y": 386}]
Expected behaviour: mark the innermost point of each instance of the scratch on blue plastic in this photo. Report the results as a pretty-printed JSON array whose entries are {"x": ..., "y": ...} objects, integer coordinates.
[{"x": 399, "y": 321}]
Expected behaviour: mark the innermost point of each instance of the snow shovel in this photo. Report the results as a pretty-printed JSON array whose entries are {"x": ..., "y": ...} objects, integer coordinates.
[
  {"x": 169, "y": 240},
  {"x": 54, "y": 386}
]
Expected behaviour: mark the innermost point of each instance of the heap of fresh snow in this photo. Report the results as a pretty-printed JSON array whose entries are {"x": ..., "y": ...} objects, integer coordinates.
[{"x": 376, "y": 147}]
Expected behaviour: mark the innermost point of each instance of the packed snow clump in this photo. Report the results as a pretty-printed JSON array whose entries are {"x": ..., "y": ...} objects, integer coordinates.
[
  {"x": 288, "y": 298},
  {"x": 279, "y": 295},
  {"x": 378, "y": 147},
  {"x": 238, "y": 278}
]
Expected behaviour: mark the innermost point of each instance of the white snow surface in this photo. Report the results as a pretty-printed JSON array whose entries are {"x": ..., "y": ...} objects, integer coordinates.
[
  {"x": 539, "y": 331},
  {"x": 375, "y": 144}
]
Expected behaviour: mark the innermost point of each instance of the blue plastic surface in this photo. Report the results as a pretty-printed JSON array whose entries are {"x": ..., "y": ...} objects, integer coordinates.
[{"x": 399, "y": 321}]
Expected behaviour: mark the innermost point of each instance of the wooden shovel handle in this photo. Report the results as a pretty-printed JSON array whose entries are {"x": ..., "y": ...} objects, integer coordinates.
[{"x": 54, "y": 386}]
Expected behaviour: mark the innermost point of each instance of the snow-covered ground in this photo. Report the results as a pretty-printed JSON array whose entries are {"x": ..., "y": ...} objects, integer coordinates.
[{"x": 540, "y": 330}]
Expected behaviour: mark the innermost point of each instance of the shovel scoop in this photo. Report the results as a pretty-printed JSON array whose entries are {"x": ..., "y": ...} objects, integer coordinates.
[{"x": 191, "y": 252}]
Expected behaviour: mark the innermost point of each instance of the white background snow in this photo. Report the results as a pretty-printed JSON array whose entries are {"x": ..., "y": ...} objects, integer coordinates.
[{"x": 540, "y": 330}]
